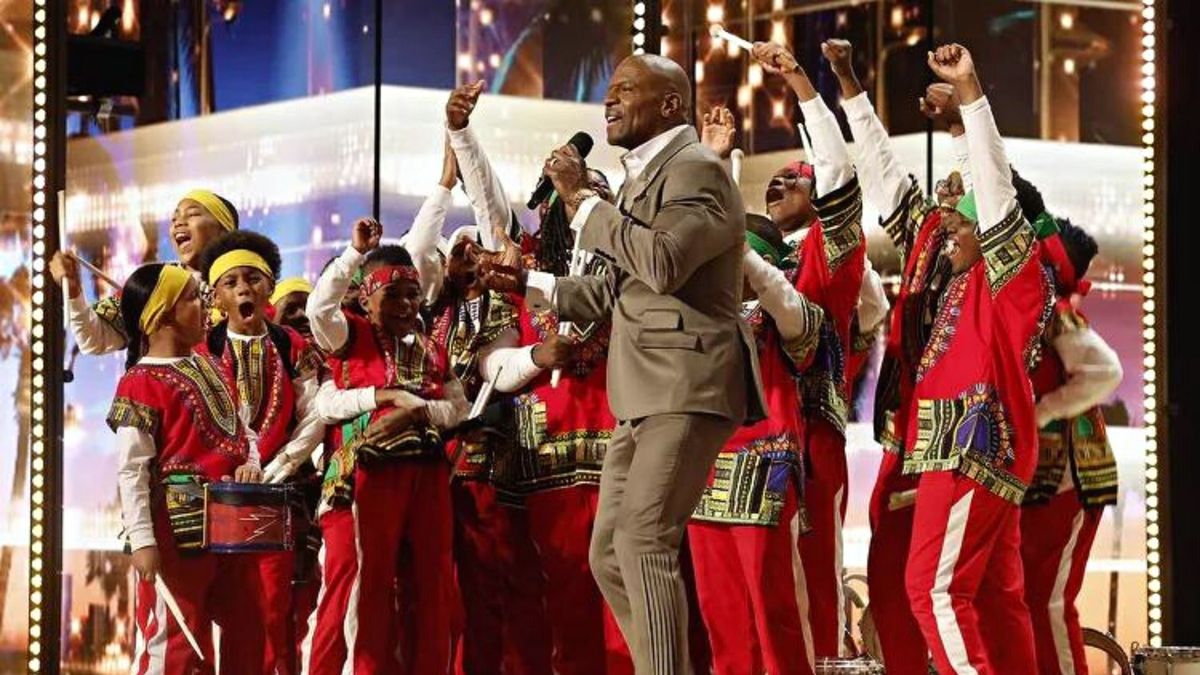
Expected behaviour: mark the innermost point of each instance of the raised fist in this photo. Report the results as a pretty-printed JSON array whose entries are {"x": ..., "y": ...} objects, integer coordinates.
[
  {"x": 366, "y": 235},
  {"x": 461, "y": 104},
  {"x": 839, "y": 54},
  {"x": 952, "y": 63}
]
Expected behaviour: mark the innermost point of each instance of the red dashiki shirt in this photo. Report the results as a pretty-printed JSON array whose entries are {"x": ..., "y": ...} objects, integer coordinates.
[
  {"x": 263, "y": 369},
  {"x": 454, "y": 329},
  {"x": 1080, "y": 443},
  {"x": 371, "y": 358},
  {"x": 563, "y": 432},
  {"x": 188, "y": 408},
  {"x": 829, "y": 271},
  {"x": 972, "y": 404},
  {"x": 915, "y": 229},
  {"x": 749, "y": 481}
]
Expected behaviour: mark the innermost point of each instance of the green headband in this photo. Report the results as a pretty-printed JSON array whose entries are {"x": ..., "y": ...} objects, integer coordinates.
[
  {"x": 966, "y": 207},
  {"x": 766, "y": 249}
]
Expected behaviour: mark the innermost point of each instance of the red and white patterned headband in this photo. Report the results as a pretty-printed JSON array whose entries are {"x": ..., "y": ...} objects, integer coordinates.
[{"x": 386, "y": 274}]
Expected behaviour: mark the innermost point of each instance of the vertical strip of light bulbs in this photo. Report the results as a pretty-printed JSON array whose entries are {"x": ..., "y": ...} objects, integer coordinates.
[
  {"x": 639, "y": 27},
  {"x": 1150, "y": 337},
  {"x": 39, "y": 605}
]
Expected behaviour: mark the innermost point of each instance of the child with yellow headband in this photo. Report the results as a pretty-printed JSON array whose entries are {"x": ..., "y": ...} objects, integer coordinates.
[
  {"x": 387, "y": 481},
  {"x": 176, "y": 424},
  {"x": 275, "y": 371},
  {"x": 199, "y": 218}
]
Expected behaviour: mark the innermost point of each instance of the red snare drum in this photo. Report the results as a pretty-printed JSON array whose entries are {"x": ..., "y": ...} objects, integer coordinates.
[{"x": 248, "y": 517}]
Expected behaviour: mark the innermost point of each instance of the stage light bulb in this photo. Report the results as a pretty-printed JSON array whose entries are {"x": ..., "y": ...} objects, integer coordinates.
[
  {"x": 1066, "y": 20},
  {"x": 715, "y": 13},
  {"x": 639, "y": 8},
  {"x": 1069, "y": 66},
  {"x": 754, "y": 75}
]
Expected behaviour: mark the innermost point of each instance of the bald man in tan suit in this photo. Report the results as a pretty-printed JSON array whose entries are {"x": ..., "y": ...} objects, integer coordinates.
[{"x": 682, "y": 370}]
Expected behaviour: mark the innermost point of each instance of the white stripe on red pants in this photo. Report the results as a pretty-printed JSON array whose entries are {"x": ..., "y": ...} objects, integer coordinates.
[
  {"x": 964, "y": 573},
  {"x": 1056, "y": 539},
  {"x": 209, "y": 588},
  {"x": 746, "y": 585}
]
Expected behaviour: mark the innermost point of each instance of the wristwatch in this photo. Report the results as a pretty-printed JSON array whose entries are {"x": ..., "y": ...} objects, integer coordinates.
[{"x": 578, "y": 198}]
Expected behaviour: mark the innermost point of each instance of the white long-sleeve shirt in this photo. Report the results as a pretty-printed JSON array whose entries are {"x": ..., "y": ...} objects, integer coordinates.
[
  {"x": 93, "y": 334},
  {"x": 884, "y": 180},
  {"x": 135, "y": 451},
  {"x": 422, "y": 239},
  {"x": 832, "y": 165},
  {"x": 778, "y": 297},
  {"x": 1093, "y": 372},
  {"x": 872, "y": 298},
  {"x": 995, "y": 196},
  {"x": 324, "y": 307},
  {"x": 308, "y": 431},
  {"x": 482, "y": 185}
]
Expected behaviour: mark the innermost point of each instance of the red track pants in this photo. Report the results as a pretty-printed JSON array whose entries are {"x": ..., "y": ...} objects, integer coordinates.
[
  {"x": 965, "y": 580},
  {"x": 825, "y": 497},
  {"x": 747, "y": 586},
  {"x": 1056, "y": 539},
  {"x": 585, "y": 635},
  {"x": 501, "y": 583}
]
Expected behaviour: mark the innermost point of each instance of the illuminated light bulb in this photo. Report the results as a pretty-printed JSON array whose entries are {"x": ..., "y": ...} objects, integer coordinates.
[
  {"x": 754, "y": 75},
  {"x": 1069, "y": 66},
  {"x": 743, "y": 96},
  {"x": 715, "y": 13},
  {"x": 1066, "y": 20}
]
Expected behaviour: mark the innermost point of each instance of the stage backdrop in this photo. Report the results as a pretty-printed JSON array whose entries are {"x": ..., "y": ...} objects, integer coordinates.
[{"x": 123, "y": 187}]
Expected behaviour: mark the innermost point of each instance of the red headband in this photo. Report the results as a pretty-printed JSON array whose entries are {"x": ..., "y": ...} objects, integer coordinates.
[
  {"x": 802, "y": 169},
  {"x": 386, "y": 274},
  {"x": 1054, "y": 253}
]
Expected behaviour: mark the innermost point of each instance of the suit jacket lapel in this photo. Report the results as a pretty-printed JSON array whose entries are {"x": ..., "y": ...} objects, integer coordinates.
[{"x": 631, "y": 190}]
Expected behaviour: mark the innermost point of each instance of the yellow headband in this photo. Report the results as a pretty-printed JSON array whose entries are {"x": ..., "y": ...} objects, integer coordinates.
[
  {"x": 215, "y": 206},
  {"x": 239, "y": 257},
  {"x": 290, "y": 285},
  {"x": 171, "y": 282}
]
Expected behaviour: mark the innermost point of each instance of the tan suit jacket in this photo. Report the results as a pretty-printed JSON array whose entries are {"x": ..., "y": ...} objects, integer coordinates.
[{"x": 674, "y": 290}]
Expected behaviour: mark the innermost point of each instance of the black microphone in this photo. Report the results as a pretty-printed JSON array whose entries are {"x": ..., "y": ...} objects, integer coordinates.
[{"x": 583, "y": 143}]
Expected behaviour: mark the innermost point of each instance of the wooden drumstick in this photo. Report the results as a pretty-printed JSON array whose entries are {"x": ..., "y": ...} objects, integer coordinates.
[
  {"x": 169, "y": 600},
  {"x": 718, "y": 32}
]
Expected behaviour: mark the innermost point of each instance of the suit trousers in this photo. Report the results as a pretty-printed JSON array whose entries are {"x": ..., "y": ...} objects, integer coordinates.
[{"x": 655, "y": 471}]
